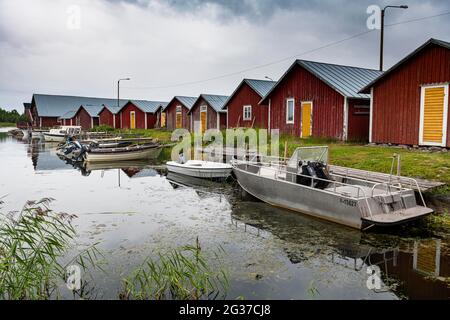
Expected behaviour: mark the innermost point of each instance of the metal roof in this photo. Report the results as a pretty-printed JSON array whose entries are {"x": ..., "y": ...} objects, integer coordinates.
[
  {"x": 93, "y": 111},
  {"x": 215, "y": 101},
  {"x": 188, "y": 102},
  {"x": 366, "y": 88},
  {"x": 149, "y": 106},
  {"x": 346, "y": 80},
  {"x": 261, "y": 87},
  {"x": 69, "y": 114},
  {"x": 56, "y": 105},
  {"x": 112, "y": 109}
]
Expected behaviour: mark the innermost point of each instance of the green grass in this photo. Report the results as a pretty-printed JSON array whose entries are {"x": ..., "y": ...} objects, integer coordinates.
[
  {"x": 7, "y": 124},
  {"x": 162, "y": 135}
]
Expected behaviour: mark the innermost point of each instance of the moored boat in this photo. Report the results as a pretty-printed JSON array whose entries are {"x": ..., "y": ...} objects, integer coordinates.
[
  {"x": 60, "y": 134},
  {"x": 200, "y": 169},
  {"x": 303, "y": 184},
  {"x": 136, "y": 152}
]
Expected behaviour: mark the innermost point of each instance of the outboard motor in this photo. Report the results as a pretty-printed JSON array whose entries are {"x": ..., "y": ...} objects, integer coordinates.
[{"x": 313, "y": 170}]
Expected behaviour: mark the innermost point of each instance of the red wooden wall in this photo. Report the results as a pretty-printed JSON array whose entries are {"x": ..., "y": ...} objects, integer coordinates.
[
  {"x": 358, "y": 119},
  {"x": 211, "y": 115},
  {"x": 152, "y": 119},
  {"x": 106, "y": 117},
  {"x": 328, "y": 104},
  {"x": 171, "y": 115},
  {"x": 83, "y": 119},
  {"x": 125, "y": 114},
  {"x": 396, "y": 98},
  {"x": 245, "y": 95}
]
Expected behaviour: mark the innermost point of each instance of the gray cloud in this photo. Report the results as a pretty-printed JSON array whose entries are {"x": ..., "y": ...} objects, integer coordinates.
[{"x": 161, "y": 43}]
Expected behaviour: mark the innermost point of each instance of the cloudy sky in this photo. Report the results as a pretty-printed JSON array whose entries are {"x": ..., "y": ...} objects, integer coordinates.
[{"x": 81, "y": 47}]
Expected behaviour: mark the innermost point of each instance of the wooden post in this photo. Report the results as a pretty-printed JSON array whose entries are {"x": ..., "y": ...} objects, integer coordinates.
[{"x": 285, "y": 152}]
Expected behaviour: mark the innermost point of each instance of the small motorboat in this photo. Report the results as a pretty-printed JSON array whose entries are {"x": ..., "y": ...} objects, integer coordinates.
[
  {"x": 60, "y": 134},
  {"x": 134, "y": 152},
  {"x": 303, "y": 183},
  {"x": 201, "y": 169}
]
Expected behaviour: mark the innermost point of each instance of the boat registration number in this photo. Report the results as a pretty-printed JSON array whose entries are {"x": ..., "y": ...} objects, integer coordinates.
[{"x": 347, "y": 202}]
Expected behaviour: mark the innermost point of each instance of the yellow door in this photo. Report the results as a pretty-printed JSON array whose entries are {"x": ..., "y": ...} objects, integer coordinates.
[
  {"x": 203, "y": 121},
  {"x": 179, "y": 120},
  {"x": 433, "y": 113},
  {"x": 132, "y": 120},
  {"x": 306, "y": 119},
  {"x": 163, "y": 119}
]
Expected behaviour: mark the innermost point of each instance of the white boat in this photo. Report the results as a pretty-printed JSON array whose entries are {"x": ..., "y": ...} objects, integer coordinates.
[
  {"x": 60, "y": 134},
  {"x": 137, "y": 152},
  {"x": 200, "y": 169}
]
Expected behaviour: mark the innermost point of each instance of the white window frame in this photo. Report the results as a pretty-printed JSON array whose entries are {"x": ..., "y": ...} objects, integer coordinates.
[
  {"x": 178, "y": 109},
  {"x": 249, "y": 118},
  {"x": 293, "y": 111},
  {"x": 422, "y": 114}
]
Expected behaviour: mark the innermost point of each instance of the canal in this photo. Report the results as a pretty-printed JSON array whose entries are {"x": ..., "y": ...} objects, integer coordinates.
[{"x": 136, "y": 212}]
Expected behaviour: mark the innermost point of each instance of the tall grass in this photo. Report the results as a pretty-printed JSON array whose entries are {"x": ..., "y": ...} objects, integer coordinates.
[
  {"x": 32, "y": 244},
  {"x": 181, "y": 274}
]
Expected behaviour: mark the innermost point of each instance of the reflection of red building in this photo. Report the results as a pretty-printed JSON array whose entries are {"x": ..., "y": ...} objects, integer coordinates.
[{"x": 422, "y": 271}]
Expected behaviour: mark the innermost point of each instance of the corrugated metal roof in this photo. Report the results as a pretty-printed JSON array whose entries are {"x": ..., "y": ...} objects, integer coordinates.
[
  {"x": 346, "y": 80},
  {"x": 261, "y": 87},
  {"x": 188, "y": 102},
  {"x": 366, "y": 88},
  {"x": 93, "y": 110},
  {"x": 114, "y": 110},
  {"x": 215, "y": 101},
  {"x": 69, "y": 114},
  {"x": 149, "y": 106},
  {"x": 57, "y": 105}
]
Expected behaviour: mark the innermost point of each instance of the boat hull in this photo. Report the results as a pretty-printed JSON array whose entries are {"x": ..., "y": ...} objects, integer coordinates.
[
  {"x": 300, "y": 198},
  {"x": 149, "y": 153},
  {"x": 54, "y": 138},
  {"x": 204, "y": 173}
]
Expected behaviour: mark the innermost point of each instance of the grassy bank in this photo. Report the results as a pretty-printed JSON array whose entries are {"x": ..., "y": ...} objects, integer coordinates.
[
  {"x": 7, "y": 124},
  {"x": 415, "y": 163}
]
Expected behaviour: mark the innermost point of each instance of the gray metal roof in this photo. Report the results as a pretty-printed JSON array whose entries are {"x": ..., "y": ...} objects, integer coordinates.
[
  {"x": 69, "y": 114},
  {"x": 112, "y": 109},
  {"x": 188, "y": 102},
  {"x": 445, "y": 44},
  {"x": 261, "y": 87},
  {"x": 346, "y": 80},
  {"x": 215, "y": 101},
  {"x": 93, "y": 110},
  {"x": 56, "y": 105},
  {"x": 149, "y": 106}
]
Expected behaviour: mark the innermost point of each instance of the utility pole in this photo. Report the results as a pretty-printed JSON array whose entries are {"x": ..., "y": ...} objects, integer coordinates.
[{"x": 382, "y": 31}]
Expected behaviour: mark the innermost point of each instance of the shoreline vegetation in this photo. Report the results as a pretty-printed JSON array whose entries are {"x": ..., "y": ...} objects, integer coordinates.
[
  {"x": 359, "y": 155},
  {"x": 7, "y": 125}
]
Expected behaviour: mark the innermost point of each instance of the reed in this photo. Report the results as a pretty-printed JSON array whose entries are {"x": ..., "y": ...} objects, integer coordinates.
[
  {"x": 32, "y": 245},
  {"x": 181, "y": 274}
]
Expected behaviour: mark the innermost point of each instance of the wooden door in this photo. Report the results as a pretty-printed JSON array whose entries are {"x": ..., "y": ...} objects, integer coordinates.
[
  {"x": 163, "y": 119},
  {"x": 203, "y": 119},
  {"x": 179, "y": 119},
  {"x": 306, "y": 119},
  {"x": 132, "y": 120},
  {"x": 433, "y": 115}
]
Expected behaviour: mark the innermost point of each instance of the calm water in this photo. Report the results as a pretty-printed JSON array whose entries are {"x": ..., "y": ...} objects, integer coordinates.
[{"x": 135, "y": 213}]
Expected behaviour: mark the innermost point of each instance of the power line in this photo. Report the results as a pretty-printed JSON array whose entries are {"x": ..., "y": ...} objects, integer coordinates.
[{"x": 286, "y": 58}]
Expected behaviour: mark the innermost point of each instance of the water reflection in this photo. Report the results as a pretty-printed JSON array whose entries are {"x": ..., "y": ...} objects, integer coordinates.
[
  {"x": 417, "y": 269},
  {"x": 271, "y": 253}
]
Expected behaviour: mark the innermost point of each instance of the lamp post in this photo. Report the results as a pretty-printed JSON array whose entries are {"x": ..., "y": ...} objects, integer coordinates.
[
  {"x": 382, "y": 30},
  {"x": 118, "y": 90}
]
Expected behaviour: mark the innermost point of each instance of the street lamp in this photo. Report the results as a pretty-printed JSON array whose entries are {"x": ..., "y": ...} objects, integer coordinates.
[
  {"x": 382, "y": 30},
  {"x": 118, "y": 90}
]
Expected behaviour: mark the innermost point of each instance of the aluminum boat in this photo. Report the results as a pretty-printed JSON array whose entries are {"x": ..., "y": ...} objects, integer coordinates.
[
  {"x": 201, "y": 169},
  {"x": 303, "y": 184}
]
